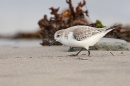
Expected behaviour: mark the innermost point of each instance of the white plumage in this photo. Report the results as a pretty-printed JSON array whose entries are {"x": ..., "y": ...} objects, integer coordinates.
[{"x": 81, "y": 36}]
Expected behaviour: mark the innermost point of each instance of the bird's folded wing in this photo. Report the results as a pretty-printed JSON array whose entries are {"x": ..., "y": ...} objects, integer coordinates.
[{"x": 81, "y": 33}]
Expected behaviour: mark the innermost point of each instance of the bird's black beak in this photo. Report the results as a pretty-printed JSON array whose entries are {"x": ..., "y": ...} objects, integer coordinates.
[{"x": 52, "y": 42}]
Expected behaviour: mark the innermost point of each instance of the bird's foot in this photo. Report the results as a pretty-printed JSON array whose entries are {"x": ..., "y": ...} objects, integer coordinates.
[{"x": 73, "y": 55}]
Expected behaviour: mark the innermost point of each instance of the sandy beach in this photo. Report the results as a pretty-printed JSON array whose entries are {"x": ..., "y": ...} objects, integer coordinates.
[{"x": 51, "y": 66}]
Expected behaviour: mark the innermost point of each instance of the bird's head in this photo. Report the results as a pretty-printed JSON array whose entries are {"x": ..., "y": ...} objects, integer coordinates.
[{"x": 57, "y": 37}]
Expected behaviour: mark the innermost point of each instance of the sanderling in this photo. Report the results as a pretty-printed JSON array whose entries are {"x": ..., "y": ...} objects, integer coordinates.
[{"x": 80, "y": 36}]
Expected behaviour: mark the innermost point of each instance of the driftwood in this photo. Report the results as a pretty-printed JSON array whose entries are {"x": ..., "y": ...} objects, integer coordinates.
[{"x": 79, "y": 10}]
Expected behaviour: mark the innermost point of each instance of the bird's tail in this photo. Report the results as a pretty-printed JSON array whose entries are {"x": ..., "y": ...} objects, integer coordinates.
[
  {"x": 113, "y": 27},
  {"x": 110, "y": 28}
]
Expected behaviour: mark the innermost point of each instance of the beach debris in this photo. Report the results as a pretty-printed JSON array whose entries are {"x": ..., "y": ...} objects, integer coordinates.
[{"x": 69, "y": 17}]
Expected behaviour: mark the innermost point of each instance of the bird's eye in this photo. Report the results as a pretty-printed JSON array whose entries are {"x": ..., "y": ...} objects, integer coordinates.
[{"x": 58, "y": 35}]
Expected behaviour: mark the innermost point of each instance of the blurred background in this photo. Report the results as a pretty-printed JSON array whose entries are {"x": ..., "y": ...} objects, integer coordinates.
[{"x": 22, "y": 16}]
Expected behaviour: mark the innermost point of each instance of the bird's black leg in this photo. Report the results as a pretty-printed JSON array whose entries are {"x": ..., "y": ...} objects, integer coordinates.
[
  {"x": 88, "y": 52},
  {"x": 77, "y": 53}
]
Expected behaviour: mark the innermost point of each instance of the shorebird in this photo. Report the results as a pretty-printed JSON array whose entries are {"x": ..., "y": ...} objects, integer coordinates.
[{"x": 80, "y": 36}]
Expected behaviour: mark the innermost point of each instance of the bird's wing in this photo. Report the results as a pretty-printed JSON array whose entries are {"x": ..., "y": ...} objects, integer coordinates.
[{"x": 83, "y": 32}]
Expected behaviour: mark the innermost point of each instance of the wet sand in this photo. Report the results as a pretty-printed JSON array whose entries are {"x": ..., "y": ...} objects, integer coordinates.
[{"x": 51, "y": 66}]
